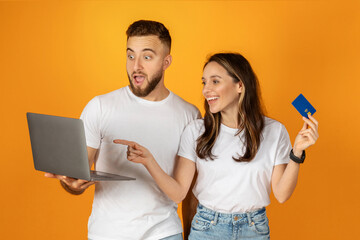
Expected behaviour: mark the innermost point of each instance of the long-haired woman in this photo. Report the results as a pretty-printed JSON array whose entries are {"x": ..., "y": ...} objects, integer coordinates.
[{"x": 238, "y": 153}]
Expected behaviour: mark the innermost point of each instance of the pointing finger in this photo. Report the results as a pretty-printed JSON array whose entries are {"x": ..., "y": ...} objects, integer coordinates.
[{"x": 124, "y": 142}]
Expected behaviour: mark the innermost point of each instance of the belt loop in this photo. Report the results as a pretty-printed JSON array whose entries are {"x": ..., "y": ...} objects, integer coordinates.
[
  {"x": 249, "y": 218},
  {"x": 214, "y": 222}
]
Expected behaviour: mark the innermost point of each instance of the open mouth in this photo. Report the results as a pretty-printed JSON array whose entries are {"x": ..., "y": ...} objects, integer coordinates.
[
  {"x": 138, "y": 79},
  {"x": 212, "y": 100}
]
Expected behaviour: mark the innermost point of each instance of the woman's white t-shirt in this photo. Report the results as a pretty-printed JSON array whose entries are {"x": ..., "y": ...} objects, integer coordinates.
[{"x": 228, "y": 186}]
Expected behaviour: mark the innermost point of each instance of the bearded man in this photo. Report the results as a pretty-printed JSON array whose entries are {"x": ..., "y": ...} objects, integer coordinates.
[{"x": 145, "y": 112}]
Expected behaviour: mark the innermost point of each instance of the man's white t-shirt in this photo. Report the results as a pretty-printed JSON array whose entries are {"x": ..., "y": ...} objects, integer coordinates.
[
  {"x": 225, "y": 185},
  {"x": 134, "y": 209}
]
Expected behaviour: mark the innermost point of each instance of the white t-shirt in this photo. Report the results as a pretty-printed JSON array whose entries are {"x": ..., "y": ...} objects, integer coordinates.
[
  {"x": 134, "y": 209},
  {"x": 228, "y": 186}
]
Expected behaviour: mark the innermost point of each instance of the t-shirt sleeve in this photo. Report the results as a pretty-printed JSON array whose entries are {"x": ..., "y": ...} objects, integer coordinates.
[
  {"x": 197, "y": 114},
  {"x": 284, "y": 147},
  {"x": 91, "y": 117},
  {"x": 188, "y": 143}
]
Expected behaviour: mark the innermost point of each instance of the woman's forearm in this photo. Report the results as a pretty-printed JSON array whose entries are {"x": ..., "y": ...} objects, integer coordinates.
[
  {"x": 175, "y": 188},
  {"x": 166, "y": 183},
  {"x": 287, "y": 182}
]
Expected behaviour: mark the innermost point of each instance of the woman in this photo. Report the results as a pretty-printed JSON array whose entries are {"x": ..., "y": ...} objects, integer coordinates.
[{"x": 239, "y": 155}]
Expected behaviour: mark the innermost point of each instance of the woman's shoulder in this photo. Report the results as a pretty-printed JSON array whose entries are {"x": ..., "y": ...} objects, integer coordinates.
[{"x": 271, "y": 125}]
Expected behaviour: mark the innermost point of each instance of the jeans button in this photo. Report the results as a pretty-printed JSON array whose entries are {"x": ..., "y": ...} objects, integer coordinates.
[{"x": 236, "y": 218}]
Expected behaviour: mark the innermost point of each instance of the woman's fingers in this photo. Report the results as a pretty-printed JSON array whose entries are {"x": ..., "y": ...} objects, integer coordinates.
[
  {"x": 124, "y": 142},
  {"x": 312, "y": 122},
  {"x": 305, "y": 125},
  {"x": 311, "y": 138},
  {"x": 311, "y": 131},
  {"x": 136, "y": 159},
  {"x": 135, "y": 152},
  {"x": 130, "y": 144},
  {"x": 309, "y": 123}
]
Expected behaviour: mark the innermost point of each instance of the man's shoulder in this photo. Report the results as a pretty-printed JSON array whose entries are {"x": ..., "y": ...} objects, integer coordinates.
[
  {"x": 196, "y": 124},
  {"x": 112, "y": 96},
  {"x": 180, "y": 102},
  {"x": 114, "y": 93}
]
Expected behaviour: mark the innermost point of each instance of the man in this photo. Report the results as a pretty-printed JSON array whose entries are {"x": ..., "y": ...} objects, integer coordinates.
[{"x": 145, "y": 112}]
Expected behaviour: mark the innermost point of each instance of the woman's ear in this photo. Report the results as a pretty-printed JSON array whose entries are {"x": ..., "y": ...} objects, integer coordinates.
[
  {"x": 167, "y": 62},
  {"x": 239, "y": 86}
]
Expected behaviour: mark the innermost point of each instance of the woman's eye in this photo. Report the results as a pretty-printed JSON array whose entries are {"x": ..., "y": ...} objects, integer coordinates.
[
  {"x": 147, "y": 57},
  {"x": 215, "y": 81}
]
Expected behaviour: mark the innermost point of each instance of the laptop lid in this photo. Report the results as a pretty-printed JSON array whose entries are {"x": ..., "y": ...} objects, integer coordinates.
[{"x": 59, "y": 146}]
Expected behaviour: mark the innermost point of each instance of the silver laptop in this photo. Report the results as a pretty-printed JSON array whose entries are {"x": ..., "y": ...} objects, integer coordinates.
[{"x": 59, "y": 146}]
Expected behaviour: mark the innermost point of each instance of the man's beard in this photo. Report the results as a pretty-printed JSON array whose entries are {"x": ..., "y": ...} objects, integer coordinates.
[{"x": 152, "y": 83}]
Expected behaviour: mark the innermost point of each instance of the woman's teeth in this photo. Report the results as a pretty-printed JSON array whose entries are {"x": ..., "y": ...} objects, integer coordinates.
[{"x": 212, "y": 98}]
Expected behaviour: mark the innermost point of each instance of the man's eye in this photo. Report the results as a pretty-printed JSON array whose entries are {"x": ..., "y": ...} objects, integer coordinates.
[
  {"x": 130, "y": 57},
  {"x": 147, "y": 57}
]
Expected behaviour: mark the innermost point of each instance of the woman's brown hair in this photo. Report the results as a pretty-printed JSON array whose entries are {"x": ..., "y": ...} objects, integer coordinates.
[{"x": 250, "y": 112}]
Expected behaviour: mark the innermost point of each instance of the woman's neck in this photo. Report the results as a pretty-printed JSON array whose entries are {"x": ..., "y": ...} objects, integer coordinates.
[{"x": 230, "y": 119}]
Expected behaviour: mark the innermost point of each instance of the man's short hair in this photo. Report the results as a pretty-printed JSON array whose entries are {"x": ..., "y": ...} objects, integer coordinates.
[{"x": 147, "y": 28}]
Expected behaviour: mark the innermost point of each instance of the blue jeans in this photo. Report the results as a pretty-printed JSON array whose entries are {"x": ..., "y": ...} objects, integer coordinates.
[
  {"x": 174, "y": 237},
  {"x": 212, "y": 225}
]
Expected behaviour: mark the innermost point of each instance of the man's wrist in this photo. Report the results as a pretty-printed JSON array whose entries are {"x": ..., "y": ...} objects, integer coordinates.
[{"x": 70, "y": 190}]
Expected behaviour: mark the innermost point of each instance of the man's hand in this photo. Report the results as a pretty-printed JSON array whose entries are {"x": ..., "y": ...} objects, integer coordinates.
[{"x": 71, "y": 185}]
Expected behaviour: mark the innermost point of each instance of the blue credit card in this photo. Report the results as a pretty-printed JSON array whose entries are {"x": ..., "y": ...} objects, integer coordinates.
[{"x": 303, "y": 106}]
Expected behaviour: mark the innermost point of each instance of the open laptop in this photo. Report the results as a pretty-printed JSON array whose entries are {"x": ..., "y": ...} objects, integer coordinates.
[{"x": 59, "y": 146}]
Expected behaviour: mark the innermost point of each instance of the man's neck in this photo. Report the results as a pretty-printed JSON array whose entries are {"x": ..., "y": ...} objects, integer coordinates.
[{"x": 159, "y": 93}]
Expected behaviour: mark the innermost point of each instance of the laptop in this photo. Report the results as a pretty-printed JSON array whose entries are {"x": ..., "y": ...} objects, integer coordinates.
[{"x": 59, "y": 146}]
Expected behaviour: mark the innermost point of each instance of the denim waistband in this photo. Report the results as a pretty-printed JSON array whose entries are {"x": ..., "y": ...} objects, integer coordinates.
[{"x": 215, "y": 216}]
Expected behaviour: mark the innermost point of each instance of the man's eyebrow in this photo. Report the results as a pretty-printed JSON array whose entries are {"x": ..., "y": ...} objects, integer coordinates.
[
  {"x": 149, "y": 49},
  {"x": 144, "y": 50}
]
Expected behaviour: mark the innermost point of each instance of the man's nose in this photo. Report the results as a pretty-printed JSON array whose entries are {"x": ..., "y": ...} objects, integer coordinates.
[{"x": 138, "y": 64}]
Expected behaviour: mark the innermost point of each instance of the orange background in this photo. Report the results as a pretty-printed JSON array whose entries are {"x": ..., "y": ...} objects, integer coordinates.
[{"x": 56, "y": 56}]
